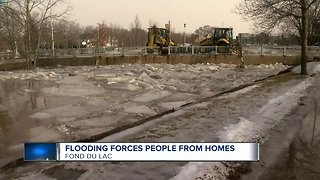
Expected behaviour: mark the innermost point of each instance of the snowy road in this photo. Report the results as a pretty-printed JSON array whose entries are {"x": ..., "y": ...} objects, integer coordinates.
[{"x": 76, "y": 103}]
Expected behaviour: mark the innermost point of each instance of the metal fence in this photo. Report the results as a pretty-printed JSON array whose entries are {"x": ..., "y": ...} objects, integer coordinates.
[
  {"x": 7, "y": 55},
  {"x": 280, "y": 50},
  {"x": 172, "y": 50}
]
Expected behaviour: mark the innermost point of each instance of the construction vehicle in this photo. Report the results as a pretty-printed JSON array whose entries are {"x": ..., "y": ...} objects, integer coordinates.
[
  {"x": 159, "y": 39},
  {"x": 222, "y": 37}
]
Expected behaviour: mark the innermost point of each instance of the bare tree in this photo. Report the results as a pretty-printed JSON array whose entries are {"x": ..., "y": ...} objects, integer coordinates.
[
  {"x": 32, "y": 15},
  {"x": 314, "y": 24},
  {"x": 9, "y": 28},
  {"x": 67, "y": 34},
  {"x": 101, "y": 35},
  {"x": 270, "y": 14},
  {"x": 118, "y": 35},
  {"x": 262, "y": 38},
  {"x": 202, "y": 32},
  {"x": 87, "y": 35},
  {"x": 136, "y": 29},
  {"x": 113, "y": 31}
]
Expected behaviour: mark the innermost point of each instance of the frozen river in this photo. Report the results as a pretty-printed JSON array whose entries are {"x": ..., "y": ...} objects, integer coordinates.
[{"x": 72, "y": 103}]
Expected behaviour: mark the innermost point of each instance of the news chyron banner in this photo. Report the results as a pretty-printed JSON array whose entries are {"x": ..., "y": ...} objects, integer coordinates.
[{"x": 141, "y": 152}]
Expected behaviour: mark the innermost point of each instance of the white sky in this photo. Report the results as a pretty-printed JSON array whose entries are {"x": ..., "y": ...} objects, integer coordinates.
[{"x": 194, "y": 13}]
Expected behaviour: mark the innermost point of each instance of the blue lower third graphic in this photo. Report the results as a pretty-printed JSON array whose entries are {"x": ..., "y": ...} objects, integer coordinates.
[{"x": 40, "y": 151}]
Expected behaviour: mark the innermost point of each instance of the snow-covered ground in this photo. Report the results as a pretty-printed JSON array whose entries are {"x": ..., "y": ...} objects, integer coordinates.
[{"x": 70, "y": 103}]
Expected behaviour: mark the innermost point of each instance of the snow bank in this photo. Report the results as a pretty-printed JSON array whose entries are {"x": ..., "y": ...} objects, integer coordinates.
[
  {"x": 270, "y": 115},
  {"x": 195, "y": 170},
  {"x": 241, "y": 91},
  {"x": 312, "y": 68},
  {"x": 253, "y": 129}
]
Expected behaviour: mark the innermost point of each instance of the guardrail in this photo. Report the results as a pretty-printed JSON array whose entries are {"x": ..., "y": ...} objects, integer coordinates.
[{"x": 172, "y": 50}]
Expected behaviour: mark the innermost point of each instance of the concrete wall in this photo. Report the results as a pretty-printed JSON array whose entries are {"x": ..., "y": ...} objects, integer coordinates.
[
  {"x": 287, "y": 60},
  {"x": 13, "y": 66},
  {"x": 227, "y": 59},
  {"x": 71, "y": 61},
  {"x": 172, "y": 59},
  {"x": 231, "y": 59}
]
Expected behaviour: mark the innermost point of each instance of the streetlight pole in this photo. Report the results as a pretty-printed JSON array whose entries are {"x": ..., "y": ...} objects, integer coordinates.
[
  {"x": 52, "y": 32},
  {"x": 184, "y": 34},
  {"x": 52, "y": 36}
]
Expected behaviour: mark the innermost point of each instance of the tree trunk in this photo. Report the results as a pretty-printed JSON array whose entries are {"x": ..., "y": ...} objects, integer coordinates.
[
  {"x": 38, "y": 46},
  {"x": 28, "y": 34},
  {"x": 304, "y": 38},
  {"x": 38, "y": 43}
]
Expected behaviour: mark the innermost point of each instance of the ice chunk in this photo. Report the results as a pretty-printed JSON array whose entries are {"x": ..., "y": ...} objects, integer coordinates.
[
  {"x": 151, "y": 96},
  {"x": 43, "y": 134},
  {"x": 68, "y": 111},
  {"x": 72, "y": 90},
  {"x": 40, "y": 115},
  {"x": 140, "y": 110},
  {"x": 170, "y": 105},
  {"x": 104, "y": 76},
  {"x": 120, "y": 79}
]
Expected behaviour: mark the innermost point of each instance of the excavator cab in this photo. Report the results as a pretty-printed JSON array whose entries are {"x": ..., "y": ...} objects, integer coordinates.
[
  {"x": 222, "y": 37},
  {"x": 159, "y": 38}
]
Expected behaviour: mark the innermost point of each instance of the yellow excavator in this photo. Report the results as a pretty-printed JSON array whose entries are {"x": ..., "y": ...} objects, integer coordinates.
[
  {"x": 222, "y": 37},
  {"x": 159, "y": 39}
]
